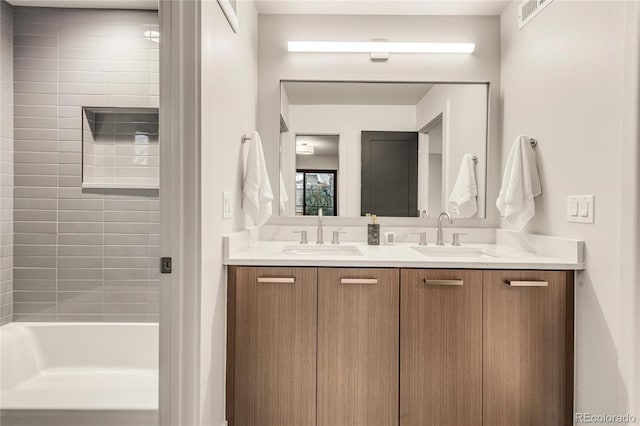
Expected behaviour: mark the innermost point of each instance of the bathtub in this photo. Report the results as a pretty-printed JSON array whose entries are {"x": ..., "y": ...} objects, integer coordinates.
[{"x": 79, "y": 374}]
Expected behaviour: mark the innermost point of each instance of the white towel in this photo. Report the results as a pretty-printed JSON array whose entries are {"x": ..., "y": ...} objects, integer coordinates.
[
  {"x": 463, "y": 200},
  {"x": 520, "y": 184},
  {"x": 284, "y": 197},
  {"x": 257, "y": 196}
]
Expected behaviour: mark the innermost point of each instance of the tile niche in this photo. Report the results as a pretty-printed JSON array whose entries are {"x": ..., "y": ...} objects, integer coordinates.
[{"x": 120, "y": 148}]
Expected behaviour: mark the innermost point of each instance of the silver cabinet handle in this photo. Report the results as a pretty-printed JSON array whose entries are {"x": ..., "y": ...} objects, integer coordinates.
[
  {"x": 527, "y": 283},
  {"x": 276, "y": 280},
  {"x": 443, "y": 282},
  {"x": 358, "y": 281}
]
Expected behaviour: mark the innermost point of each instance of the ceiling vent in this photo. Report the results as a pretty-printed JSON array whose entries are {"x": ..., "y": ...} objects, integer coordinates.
[{"x": 529, "y": 9}]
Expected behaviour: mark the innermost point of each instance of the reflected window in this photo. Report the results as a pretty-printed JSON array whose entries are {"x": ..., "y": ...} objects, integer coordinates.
[{"x": 316, "y": 189}]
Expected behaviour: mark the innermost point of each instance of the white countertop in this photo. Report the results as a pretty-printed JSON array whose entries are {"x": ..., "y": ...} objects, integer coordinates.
[{"x": 399, "y": 255}]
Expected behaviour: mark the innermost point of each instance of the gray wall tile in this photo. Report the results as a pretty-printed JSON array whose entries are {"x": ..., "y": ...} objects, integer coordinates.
[
  {"x": 6, "y": 163},
  {"x": 34, "y": 296},
  {"x": 34, "y": 285},
  {"x": 79, "y": 308},
  {"x": 78, "y": 254},
  {"x": 34, "y": 317},
  {"x": 80, "y": 296},
  {"x": 80, "y": 285}
]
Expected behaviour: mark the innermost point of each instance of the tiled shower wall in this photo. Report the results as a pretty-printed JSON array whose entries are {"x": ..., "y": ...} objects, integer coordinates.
[
  {"x": 80, "y": 254},
  {"x": 6, "y": 162}
]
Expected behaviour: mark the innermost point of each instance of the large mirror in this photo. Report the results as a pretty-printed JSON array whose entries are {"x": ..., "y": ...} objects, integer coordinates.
[{"x": 389, "y": 149}]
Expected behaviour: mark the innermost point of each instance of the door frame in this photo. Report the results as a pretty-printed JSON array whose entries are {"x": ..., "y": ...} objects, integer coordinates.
[
  {"x": 442, "y": 118},
  {"x": 179, "y": 395}
]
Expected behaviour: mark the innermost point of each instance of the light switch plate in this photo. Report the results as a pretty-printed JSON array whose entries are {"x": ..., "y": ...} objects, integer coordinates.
[
  {"x": 581, "y": 208},
  {"x": 227, "y": 205}
]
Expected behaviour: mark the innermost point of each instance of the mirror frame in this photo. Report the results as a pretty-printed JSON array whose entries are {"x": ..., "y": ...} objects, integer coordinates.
[{"x": 278, "y": 219}]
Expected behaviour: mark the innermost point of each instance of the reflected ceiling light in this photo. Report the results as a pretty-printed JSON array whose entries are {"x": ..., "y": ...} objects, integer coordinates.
[
  {"x": 304, "y": 149},
  {"x": 378, "y": 47}
]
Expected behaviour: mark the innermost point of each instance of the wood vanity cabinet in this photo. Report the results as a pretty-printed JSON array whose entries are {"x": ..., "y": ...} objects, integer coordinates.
[
  {"x": 272, "y": 346},
  {"x": 527, "y": 348},
  {"x": 412, "y": 347},
  {"x": 441, "y": 347},
  {"x": 358, "y": 314}
]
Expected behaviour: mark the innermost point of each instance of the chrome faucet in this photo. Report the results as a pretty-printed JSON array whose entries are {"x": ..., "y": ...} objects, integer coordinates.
[
  {"x": 440, "y": 237},
  {"x": 320, "y": 239}
]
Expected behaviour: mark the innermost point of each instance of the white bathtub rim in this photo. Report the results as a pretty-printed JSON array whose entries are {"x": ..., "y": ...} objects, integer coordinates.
[
  {"x": 143, "y": 396},
  {"x": 79, "y": 400}
]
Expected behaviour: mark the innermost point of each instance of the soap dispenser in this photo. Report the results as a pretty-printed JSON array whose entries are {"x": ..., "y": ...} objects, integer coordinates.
[{"x": 373, "y": 232}]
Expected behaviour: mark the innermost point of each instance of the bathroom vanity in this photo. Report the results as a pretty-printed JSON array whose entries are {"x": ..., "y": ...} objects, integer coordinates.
[
  {"x": 475, "y": 332},
  {"x": 474, "y": 335}
]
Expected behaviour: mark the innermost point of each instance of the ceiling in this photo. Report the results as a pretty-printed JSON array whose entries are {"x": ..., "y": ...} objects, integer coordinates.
[
  {"x": 382, "y": 7},
  {"x": 311, "y": 7},
  {"x": 90, "y": 4},
  {"x": 354, "y": 93},
  {"x": 325, "y": 145}
]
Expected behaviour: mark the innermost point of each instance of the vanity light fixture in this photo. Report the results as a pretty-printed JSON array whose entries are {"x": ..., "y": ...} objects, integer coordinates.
[
  {"x": 304, "y": 149},
  {"x": 378, "y": 48}
]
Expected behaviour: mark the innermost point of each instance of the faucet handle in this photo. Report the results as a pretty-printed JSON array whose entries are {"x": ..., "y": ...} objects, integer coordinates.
[
  {"x": 423, "y": 237},
  {"x": 303, "y": 236},
  {"x": 456, "y": 238},
  {"x": 336, "y": 236}
]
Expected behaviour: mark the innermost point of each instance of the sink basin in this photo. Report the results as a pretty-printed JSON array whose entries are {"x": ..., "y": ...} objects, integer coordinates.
[
  {"x": 455, "y": 252},
  {"x": 321, "y": 250}
]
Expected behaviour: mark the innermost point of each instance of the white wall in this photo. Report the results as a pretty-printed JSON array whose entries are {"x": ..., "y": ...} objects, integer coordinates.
[
  {"x": 563, "y": 82},
  {"x": 276, "y": 64},
  {"x": 318, "y": 162},
  {"x": 463, "y": 108},
  {"x": 229, "y": 90},
  {"x": 349, "y": 121}
]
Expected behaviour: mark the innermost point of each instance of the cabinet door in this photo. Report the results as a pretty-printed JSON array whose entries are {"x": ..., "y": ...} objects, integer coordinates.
[
  {"x": 358, "y": 337},
  {"x": 275, "y": 347},
  {"x": 441, "y": 348},
  {"x": 528, "y": 341}
]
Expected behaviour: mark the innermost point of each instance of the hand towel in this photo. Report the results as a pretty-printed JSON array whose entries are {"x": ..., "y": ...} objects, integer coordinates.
[
  {"x": 284, "y": 197},
  {"x": 463, "y": 200},
  {"x": 257, "y": 196},
  {"x": 520, "y": 184}
]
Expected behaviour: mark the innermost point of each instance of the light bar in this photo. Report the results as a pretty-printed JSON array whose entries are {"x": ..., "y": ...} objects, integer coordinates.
[
  {"x": 304, "y": 149},
  {"x": 376, "y": 46}
]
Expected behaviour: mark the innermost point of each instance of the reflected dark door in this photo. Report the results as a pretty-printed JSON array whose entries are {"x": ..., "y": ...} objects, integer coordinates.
[{"x": 390, "y": 173}]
